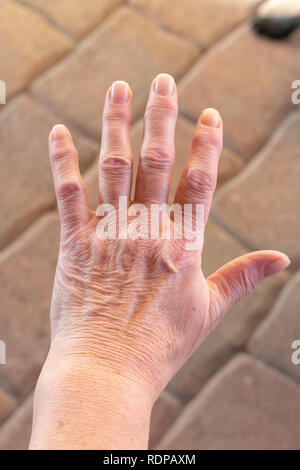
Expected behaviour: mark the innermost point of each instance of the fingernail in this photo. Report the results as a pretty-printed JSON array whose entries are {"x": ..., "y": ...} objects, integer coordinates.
[
  {"x": 210, "y": 118},
  {"x": 164, "y": 85},
  {"x": 59, "y": 132},
  {"x": 276, "y": 266},
  {"x": 119, "y": 92}
]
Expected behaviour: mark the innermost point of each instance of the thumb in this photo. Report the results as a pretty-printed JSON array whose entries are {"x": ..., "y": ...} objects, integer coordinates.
[{"x": 239, "y": 278}]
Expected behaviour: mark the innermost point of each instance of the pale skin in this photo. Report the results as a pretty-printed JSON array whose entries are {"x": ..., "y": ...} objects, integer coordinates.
[{"x": 126, "y": 315}]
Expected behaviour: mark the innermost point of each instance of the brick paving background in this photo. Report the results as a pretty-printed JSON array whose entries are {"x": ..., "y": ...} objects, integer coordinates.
[{"x": 240, "y": 389}]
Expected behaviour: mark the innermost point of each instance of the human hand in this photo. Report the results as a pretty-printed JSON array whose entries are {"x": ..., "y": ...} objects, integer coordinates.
[{"x": 131, "y": 312}]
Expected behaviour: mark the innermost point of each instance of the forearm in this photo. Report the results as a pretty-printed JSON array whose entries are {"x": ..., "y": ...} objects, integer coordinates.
[{"x": 80, "y": 407}]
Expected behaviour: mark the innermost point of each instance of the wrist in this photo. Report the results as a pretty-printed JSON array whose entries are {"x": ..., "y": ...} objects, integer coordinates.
[{"x": 76, "y": 403}]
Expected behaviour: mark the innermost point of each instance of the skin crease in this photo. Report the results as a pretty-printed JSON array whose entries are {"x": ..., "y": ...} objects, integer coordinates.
[{"x": 127, "y": 314}]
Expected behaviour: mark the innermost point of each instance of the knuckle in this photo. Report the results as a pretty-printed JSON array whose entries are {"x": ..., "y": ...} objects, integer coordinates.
[
  {"x": 116, "y": 113},
  {"x": 167, "y": 109},
  {"x": 112, "y": 163},
  {"x": 157, "y": 158},
  {"x": 201, "y": 181},
  {"x": 64, "y": 150},
  {"x": 222, "y": 287},
  {"x": 207, "y": 141},
  {"x": 247, "y": 281},
  {"x": 69, "y": 189}
]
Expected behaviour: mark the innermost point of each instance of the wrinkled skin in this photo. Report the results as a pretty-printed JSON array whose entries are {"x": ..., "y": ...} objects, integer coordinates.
[{"x": 139, "y": 309}]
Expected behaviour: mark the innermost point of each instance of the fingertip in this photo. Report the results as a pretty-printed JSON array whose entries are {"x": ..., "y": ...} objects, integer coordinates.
[
  {"x": 119, "y": 92},
  {"x": 164, "y": 85},
  {"x": 211, "y": 117},
  {"x": 279, "y": 263},
  {"x": 117, "y": 106},
  {"x": 60, "y": 132},
  {"x": 51, "y": 136},
  {"x": 58, "y": 135}
]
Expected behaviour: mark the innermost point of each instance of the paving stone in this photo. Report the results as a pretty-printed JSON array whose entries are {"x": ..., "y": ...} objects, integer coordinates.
[
  {"x": 24, "y": 129},
  {"x": 240, "y": 77},
  {"x": 75, "y": 16},
  {"x": 164, "y": 412},
  {"x": 197, "y": 19},
  {"x": 261, "y": 205},
  {"x": 7, "y": 404},
  {"x": 219, "y": 248},
  {"x": 127, "y": 46},
  {"x": 272, "y": 340},
  {"x": 28, "y": 45},
  {"x": 91, "y": 183},
  {"x": 237, "y": 325},
  {"x": 27, "y": 272},
  {"x": 247, "y": 405},
  {"x": 230, "y": 164},
  {"x": 15, "y": 433}
]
